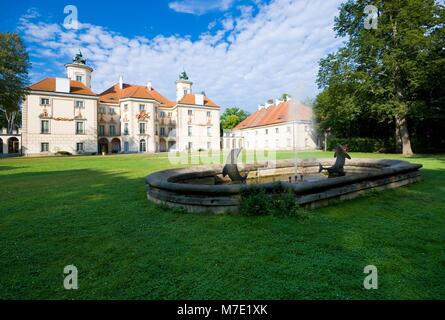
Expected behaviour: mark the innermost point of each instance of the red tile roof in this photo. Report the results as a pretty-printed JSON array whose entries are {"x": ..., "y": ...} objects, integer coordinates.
[
  {"x": 49, "y": 85},
  {"x": 190, "y": 99},
  {"x": 115, "y": 93},
  {"x": 281, "y": 113}
]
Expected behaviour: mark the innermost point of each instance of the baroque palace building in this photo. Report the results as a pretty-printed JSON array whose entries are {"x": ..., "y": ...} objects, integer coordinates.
[{"x": 64, "y": 114}]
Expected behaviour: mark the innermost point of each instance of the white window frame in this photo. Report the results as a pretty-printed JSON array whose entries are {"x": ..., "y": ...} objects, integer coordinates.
[
  {"x": 45, "y": 104},
  {"x": 82, "y": 106},
  {"x": 47, "y": 146}
]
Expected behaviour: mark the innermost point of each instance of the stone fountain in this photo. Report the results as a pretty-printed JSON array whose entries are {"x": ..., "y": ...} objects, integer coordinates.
[{"x": 217, "y": 188}]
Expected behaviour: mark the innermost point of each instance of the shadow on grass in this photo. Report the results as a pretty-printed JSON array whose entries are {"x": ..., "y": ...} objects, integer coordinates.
[{"x": 126, "y": 247}]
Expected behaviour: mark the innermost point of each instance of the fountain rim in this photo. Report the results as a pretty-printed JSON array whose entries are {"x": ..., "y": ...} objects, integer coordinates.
[{"x": 163, "y": 179}]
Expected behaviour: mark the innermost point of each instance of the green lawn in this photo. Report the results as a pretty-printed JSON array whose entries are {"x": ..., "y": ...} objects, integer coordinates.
[{"x": 92, "y": 212}]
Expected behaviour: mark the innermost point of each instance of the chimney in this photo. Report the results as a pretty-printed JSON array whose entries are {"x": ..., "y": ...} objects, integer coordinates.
[
  {"x": 63, "y": 85},
  {"x": 199, "y": 99},
  {"x": 149, "y": 86},
  {"x": 268, "y": 103},
  {"x": 121, "y": 82}
]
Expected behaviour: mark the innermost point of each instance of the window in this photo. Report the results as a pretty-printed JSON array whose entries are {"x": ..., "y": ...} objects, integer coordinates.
[
  {"x": 190, "y": 146},
  {"x": 142, "y": 146},
  {"x": 44, "y": 101},
  {"x": 111, "y": 111},
  {"x": 288, "y": 129},
  {"x": 277, "y": 130},
  {"x": 209, "y": 114},
  {"x": 44, "y": 147},
  {"x": 126, "y": 146},
  {"x": 162, "y": 132},
  {"x": 142, "y": 107},
  {"x": 126, "y": 107},
  {"x": 44, "y": 126},
  {"x": 112, "y": 130},
  {"x": 142, "y": 127},
  {"x": 79, "y": 147},
  {"x": 209, "y": 145},
  {"x": 190, "y": 131},
  {"x": 80, "y": 128},
  {"x": 169, "y": 114},
  {"x": 185, "y": 92},
  {"x": 209, "y": 131},
  {"x": 190, "y": 112},
  {"x": 126, "y": 129},
  {"x": 79, "y": 78},
  {"x": 102, "y": 109},
  {"x": 101, "y": 130},
  {"x": 267, "y": 131},
  {"x": 256, "y": 132},
  {"x": 289, "y": 142},
  {"x": 162, "y": 114},
  {"x": 79, "y": 104}
]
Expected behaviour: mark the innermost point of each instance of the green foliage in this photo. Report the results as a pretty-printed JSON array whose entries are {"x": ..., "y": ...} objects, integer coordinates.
[
  {"x": 361, "y": 144},
  {"x": 63, "y": 153},
  {"x": 14, "y": 64},
  {"x": 231, "y": 117},
  {"x": 255, "y": 201},
  {"x": 385, "y": 74}
]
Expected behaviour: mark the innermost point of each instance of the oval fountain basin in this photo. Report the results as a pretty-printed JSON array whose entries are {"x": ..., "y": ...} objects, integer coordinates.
[{"x": 203, "y": 189}]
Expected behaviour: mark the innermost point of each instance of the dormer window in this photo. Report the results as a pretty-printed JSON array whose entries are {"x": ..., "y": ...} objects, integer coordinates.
[{"x": 44, "y": 101}]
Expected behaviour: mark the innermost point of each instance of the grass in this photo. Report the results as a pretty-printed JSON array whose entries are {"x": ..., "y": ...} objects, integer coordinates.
[{"x": 92, "y": 212}]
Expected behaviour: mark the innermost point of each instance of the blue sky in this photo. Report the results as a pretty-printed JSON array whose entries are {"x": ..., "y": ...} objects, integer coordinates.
[{"x": 240, "y": 52}]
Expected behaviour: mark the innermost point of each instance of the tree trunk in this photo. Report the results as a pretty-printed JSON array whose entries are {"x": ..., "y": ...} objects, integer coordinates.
[
  {"x": 402, "y": 128},
  {"x": 398, "y": 137}
]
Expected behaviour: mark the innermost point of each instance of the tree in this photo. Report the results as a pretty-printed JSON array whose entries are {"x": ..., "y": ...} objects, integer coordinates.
[
  {"x": 231, "y": 117},
  {"x": 380, "y": 72},
  {"x": 14, "y": 64}
]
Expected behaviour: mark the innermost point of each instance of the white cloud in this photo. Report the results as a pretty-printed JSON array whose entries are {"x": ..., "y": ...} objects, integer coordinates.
[
  {"x": 199, "y": 7},
  {"x": 241, "y": 61}
]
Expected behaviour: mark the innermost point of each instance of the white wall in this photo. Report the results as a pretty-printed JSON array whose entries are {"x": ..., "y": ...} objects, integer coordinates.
[
  {"x": 62, "y": 124},
  {"x": 277, "y": 137},
  {"x": 199, "y": 123}
]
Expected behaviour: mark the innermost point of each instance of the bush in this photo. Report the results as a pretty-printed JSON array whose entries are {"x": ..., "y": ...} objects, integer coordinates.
[
  {"x": 361, "y": 144},
  {"x": 63, "y": 153},
  {"x": 280, "y": 201}
]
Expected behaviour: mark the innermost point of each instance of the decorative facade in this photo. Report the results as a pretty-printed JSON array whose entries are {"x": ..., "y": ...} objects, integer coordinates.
[{"x": 64, "y": 114}]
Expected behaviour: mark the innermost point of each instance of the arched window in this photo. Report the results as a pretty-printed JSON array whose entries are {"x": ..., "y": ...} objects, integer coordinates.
[{"x": 142, "y": 146}]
